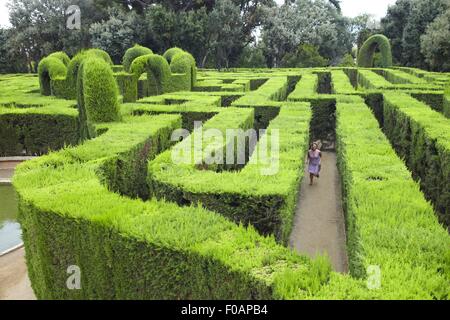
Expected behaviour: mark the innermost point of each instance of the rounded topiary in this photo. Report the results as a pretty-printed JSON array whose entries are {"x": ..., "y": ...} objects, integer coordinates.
[
  {"x": 133, "y": 53},
  {"x": 72, "y": 69},
  {"x": 61, "y": 55},
  {"x": 367, "y": 52},
  {"x": 184, "y": 62},
  {"x": 158, "y": 71},
  {"x": 169, "y": 54},
  {"x": 98, "y": 92},
  {"x": 50, "y": 68}
]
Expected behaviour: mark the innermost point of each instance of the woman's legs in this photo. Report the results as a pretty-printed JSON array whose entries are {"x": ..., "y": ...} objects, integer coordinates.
[{"x": 311, "y": 179}]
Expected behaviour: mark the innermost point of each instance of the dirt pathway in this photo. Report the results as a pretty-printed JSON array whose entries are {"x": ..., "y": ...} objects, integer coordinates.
[
  {"x": 319, "y": 225},
  {"x": 14, "y": 282}
]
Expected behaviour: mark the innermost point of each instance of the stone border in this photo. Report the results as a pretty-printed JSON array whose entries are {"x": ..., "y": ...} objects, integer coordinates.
[
  {"x": 15, "y": 159},
  {"x": 10, "y": 250}
]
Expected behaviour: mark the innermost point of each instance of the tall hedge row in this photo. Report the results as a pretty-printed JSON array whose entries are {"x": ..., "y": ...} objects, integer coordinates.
[
  {"x": 130, "y": 249},
  {"x": 422, "y": 136}
]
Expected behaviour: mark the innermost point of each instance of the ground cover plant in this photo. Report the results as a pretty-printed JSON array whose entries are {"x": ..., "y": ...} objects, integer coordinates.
[{"x": 108, "y": 196}]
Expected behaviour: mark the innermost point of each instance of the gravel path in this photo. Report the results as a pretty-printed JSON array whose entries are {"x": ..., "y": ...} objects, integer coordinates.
[
  {"x": 319, "y": 225},
  {"x": 14, "y": 282}
]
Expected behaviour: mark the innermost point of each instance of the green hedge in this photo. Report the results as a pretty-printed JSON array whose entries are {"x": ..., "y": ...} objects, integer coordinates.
[
  {"x": 127, "y": 86},
  {"x": 129, "y": 249},
  {"x": 268, "y": 202},
  {"x": 72, "y": 69},
  {"x": 50, "y": 68},
  {"x": 367, "y": 51},
  {"x": 97, "y": 90},
  {"x": 37, "y": 130},
  {"x": 446, "y": 104},
  {"x": 133, "y": 53},
  {"x": 422, "y": 136},
  {"x": 61, "y": 56},
  {"x": 307, "y": 86},
  {"x": 389, "y": 223}
]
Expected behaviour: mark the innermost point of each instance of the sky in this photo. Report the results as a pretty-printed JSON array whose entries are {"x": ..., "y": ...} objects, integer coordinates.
[{"x": 351, "y": 8}]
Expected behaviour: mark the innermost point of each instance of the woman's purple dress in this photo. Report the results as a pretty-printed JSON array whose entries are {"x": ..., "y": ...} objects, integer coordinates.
[{"x": 314, "y": 162}]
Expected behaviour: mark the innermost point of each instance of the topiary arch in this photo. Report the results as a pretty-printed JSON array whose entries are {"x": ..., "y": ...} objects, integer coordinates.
[
  {"x": 50, "y": 68},
  {"x": 133, "y": 53},
  {"x": 367, "y": 51}
]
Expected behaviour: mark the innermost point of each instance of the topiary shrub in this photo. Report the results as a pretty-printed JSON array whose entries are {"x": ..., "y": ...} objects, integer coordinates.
[
  {"x": 133, "y": 53},
  {"x": 171, "y": 53},
  {"x": 50, "y": 68},
  {"x": 61, "y": 56},
  {"x": 184, "y": 63},
  {"x": 158, "y": 72},
  {"x": 72, "y": 70},
  {"x": 368, "y": 49},
  {"x": 97, "y": 89}
]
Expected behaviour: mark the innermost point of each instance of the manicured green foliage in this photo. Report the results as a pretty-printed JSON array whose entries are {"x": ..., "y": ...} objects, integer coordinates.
[
  {"x": 99, "y": 94},
  {"x": 127, "y": 86},
  {"x": 306, "y": 87},
  {"x": 158, "y": 72},
  {"x": 133, "y": 219},
  {"x": 133, "y": 53},
  {"x": 267, "y": 202},
  {"x": 446, "y": 104},
  {"x": 341, "y": 83},
  {"x": 72, "y": 70},
  {"x": 368, "y": 49},
  {"x": 37, "y": 130},
  {"x": 50, "y": 68},
  {"x": 389, "y": 223},
  {"x": 171, "y": 53},
  {"x": 61, "y": 55},
  {"x": 421, "y": 136},
  {"x": 120, "y": 243}
]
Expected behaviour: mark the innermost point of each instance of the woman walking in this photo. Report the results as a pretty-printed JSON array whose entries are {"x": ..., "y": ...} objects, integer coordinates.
[{"x": 314, "y": 162}]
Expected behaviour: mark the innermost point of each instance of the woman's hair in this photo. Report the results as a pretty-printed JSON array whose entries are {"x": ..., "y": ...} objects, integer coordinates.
[{"x": 314, "y": 144}]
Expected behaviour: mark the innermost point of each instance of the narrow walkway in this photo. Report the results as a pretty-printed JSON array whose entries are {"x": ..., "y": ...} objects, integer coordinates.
[
  {"x": 319, "y": 226},
  {"x": 14, "y": 282}
]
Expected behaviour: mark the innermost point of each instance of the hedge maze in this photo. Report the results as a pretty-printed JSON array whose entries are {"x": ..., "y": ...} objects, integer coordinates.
[{"x": 108, "y": 196}]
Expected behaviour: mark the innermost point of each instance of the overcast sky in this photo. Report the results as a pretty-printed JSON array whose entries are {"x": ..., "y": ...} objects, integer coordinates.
[{"x": 350, "y": 8}]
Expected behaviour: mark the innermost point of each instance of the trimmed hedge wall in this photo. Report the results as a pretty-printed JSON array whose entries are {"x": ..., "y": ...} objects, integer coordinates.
[
  {"x": 422, "y": 136},
  {"x": 367, "y": 51},
  {"x": 120, "y": 243},
  {"x": 267, "y": 203},
  {"x": 36, "y": 131},
  {"x": 389, "y": 223}
]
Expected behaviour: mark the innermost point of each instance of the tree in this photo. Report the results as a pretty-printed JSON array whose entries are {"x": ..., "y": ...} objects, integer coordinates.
[
  {"x": 117, "y": 34},
  {"x": 252, "y": 57},
  {"x": 393, "y": 26},
  {"x": 317, "y": 23},
  {"x": 347, "y": 61},
  {"x": 225, "y": 27},
  {"x": 405, "y": 23},
  {"x": 40, "y": 26},
  {"x": 435, "y": 43},
  {"x": 306, "y": 56},
  {"x": 10, "y": 61},
  {"x": 423, "y": 12}
]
